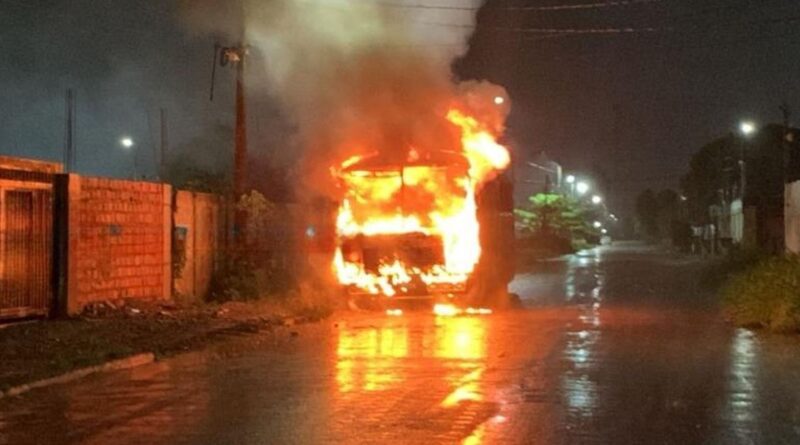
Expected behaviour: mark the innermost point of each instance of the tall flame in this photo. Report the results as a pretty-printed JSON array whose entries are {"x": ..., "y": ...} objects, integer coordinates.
[{"x": 426, "y": 197}]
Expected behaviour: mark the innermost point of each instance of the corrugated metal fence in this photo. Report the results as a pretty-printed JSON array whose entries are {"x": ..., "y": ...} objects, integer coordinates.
[{"x": 26, "y": 243}]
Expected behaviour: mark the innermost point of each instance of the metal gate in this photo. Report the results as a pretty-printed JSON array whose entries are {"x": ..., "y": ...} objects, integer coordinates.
[{"x": 26, "y": 244}]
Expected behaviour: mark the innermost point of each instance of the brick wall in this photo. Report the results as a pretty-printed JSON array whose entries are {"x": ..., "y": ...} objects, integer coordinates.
[{"x": 119, "y": 244}]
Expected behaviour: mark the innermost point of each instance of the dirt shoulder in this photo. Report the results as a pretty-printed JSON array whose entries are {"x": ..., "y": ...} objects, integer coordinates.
[{"x": 107, "y": 331}]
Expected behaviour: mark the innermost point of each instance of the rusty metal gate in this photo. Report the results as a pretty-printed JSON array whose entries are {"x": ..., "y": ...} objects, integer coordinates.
[{"x": 26, "y": 244}]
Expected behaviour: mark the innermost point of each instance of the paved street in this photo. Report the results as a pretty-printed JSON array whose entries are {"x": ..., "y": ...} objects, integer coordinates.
[{"x": 615, "y": 346}]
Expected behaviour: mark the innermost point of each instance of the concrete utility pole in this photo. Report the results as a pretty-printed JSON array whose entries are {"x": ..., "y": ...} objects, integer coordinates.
[
  {"x": 787, "y": 114},
  {"x": 164, "y": 145},
  {"x": 240, "y": 153},
  {"x": 69, "y": 133}
]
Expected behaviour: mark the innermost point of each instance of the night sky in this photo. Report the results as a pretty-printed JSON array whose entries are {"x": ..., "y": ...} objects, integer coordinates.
[{"x": 627, "y": 108}]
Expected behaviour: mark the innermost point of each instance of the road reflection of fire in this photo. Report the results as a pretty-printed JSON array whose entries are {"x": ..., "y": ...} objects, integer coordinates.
[
  {"x": 461, "y": 338},
  {"x": 371, "y": 359},
  {"x": 367, "y": 359}
]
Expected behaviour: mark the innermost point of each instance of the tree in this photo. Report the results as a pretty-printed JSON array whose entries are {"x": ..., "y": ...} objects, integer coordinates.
[
  {"x": 183, "y": 173},
  {"x": 661, "y": 216},
  {"x": 647, "y": 213},
  {"x": 712, "y": 170},
  {"x": 556, "y": 215},
  {"x": 668, "y": 202}
]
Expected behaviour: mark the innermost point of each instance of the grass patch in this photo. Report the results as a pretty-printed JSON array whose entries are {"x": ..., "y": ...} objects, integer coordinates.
[
  {"x": 39, "y": 350},
  {"x": 766, "y": 295}
]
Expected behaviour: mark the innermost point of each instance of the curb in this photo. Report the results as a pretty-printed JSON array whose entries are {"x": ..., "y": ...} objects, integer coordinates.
[
  {"x": 149, "y": 357},
  {"x": 114, "y": 365}
]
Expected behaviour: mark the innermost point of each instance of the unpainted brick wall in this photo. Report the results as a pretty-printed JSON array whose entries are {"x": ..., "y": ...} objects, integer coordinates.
[{"x": 119, "y": 240}]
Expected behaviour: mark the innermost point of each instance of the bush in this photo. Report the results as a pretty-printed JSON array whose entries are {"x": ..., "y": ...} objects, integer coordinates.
[
  {"x": 545, "y": 245},
  {"x": 260, "y": 263},
  {"x": 312, "y": 300},
  {"x": 234, "y": 279},
  {"x": 767, "y": 295}
]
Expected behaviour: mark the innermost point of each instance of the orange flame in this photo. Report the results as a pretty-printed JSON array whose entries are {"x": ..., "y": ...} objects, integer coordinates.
[{"x": 428, "y": 196}]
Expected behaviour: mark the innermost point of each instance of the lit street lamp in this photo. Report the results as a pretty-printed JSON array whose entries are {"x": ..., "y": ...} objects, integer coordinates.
[
  {"x": 597, "y": 199},
  {"x": 597, "y": 224},
  {"x": 570, "y": 180},
  {"x": 582, "y": 187},
  {"x": 499, "y": 100},
  {"x": 747, "y": 128},
  {"x": 126, "y": 142}
]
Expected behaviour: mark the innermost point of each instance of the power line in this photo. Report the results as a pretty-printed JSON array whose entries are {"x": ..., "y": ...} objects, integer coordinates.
[
  {"x": 594, "y": 5},
  {"x": 621, "y": 30},
  {"x": 396, "y": 5},
  {"x": 562, "y": 7},
  {"x": 580, "y": 31}
]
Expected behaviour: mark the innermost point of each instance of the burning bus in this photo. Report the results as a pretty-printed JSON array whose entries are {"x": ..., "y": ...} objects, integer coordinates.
[{"x": 427, "y": 223}]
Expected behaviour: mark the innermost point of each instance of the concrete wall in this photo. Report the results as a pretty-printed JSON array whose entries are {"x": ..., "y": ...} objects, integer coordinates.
[
  {"x": 743, "y": 225},
  {"x": 737, "y": 221},
  {"x": 197, "y": 233},
  {"x": 118, "y": 241},
  {"x": 792, "y": 217}
]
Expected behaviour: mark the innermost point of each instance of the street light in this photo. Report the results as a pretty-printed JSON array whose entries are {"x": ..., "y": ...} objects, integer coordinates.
[
  {"x": 499, "y": 100},
  {"x": 747, "y": 128},
  {"x": 570, "y": 179},
  {"x": 126, "y": 142},
  {"x": 597, "y": 224},
  {"x": 582, "y": 188},
  {"x": 597, "y": 199}
]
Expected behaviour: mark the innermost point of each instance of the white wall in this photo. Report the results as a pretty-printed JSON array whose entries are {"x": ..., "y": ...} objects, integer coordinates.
[
  {"x": 792, "y": 216},
  {"x": 737, "y": 221}
]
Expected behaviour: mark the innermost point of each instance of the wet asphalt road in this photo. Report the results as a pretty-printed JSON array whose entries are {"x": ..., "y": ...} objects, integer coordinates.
[{"x": 615, "y": 346}]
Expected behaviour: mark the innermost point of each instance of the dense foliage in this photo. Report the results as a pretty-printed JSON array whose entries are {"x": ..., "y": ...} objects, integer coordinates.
[
  {"x": 557, "y": 223},
  {"x": 766, "y": 295},
  {"x": 259, "y": 264}
]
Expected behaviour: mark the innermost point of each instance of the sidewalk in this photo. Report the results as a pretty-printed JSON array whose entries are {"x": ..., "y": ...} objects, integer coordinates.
[{"x": 37, "y": 350}]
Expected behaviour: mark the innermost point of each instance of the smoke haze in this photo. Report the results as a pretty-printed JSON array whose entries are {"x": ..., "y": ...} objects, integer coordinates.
[{"x": 357, "y": 76}]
